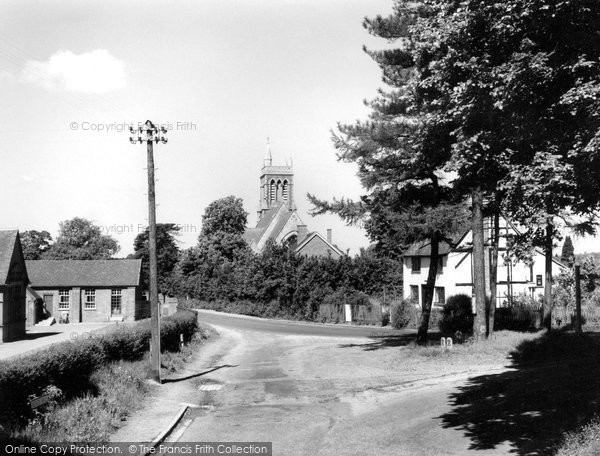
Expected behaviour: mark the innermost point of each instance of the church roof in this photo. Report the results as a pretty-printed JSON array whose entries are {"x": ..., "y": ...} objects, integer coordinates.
[{"x": 275, "y": 217}]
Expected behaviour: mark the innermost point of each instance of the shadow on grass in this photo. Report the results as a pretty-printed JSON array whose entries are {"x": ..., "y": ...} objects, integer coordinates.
[
  {"x": 386, "y": 341},
  {"x": 199, "y": 374},
  {"x": 32, "y": 336},
  {"x": 554, "y": 388}
]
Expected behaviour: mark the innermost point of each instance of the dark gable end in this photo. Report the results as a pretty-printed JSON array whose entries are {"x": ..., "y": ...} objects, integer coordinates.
[
  {"x": 84, "y": 273},
  {"x": 12, "y": 265}
]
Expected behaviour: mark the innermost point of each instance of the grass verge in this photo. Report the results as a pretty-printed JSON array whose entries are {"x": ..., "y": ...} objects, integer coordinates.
[
  {"x": 119, "y": 389},
  {"x": 583, "y": 442},
  {"x": 430, "y": 359}
]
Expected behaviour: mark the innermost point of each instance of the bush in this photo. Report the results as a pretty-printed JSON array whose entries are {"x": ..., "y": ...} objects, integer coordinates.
[
  {"x": 385, "y": 318},
  {"x": 457, "y": 315},
  {"x": 402, "y": 313},
  {"x": 523, "y": 315},
  {"x": 68, "y": 366}
]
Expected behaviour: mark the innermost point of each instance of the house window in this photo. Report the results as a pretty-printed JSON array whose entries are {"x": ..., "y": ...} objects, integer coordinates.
[
  {"x": 64, "y": 302},
  {"x": 414, "y": 293},
  {"x": 538, "y": 280},
  {"x": 90, "y": 300},
  {"x": 439, "y": 296},
  {"x": 115, "y": 302},
  {"x": 440, "y": 268},
  {"x": 415, "y": 264}
]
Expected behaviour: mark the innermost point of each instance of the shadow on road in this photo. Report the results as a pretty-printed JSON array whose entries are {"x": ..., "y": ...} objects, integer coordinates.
[
  {"x": 199, "y": 374},
  {"x": 385, "y": 341},
  {"x": 553, "y": 389}
]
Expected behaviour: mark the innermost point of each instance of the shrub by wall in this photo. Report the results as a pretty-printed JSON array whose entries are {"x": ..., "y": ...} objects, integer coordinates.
[
  {"x": 457, "y": 315},
  {"x": 402, "y": 313},
  {"x": 69, "y": 365}
]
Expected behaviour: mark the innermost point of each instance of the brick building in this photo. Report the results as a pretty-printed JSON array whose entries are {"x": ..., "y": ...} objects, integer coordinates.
[{"x": 86, "y": 290}]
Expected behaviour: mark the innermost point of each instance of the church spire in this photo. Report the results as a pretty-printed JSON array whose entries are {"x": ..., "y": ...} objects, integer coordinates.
[{"x": 268, "y": 161}]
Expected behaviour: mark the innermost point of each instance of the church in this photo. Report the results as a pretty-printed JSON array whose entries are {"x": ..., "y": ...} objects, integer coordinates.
[{"x": 278, "y": 217}]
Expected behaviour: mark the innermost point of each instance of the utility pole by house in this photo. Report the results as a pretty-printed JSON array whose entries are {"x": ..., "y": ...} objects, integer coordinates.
[{"x": 150, "y": 134}]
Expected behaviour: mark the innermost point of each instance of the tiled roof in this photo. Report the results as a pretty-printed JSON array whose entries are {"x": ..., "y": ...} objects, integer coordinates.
[
  {"x": 310, "y": 236},
  {"x": 423, "y": 248},
  {"x": 274, "y": 215},
  {"x": 8, "y": 239},
  {"x": 84, "y": 273}
]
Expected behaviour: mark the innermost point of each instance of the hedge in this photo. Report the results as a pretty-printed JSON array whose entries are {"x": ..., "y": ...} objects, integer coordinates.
[{"x": 69, "y": 365}]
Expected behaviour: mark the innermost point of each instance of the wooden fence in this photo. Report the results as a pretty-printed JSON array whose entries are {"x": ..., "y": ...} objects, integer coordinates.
[{"x": 369, "y": 314}]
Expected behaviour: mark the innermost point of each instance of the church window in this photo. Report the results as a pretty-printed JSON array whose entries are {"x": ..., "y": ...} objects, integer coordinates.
[
  {"x": 285, "y": 190},
  {"x": 272, "y": 192}
]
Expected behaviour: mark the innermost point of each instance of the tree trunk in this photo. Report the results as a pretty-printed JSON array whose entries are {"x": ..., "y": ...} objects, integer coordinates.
[
  {"x": 429, "y": 289},
  {"x": 479, "y": 322},
  {"x": 547, "y": 313},
  {"x": 493, "y": 274}
]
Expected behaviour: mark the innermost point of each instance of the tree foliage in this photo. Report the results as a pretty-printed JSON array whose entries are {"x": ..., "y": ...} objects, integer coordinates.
[
  {"x": 501, "y": 96},
  {"x": 80, "y": 239},
  {"x": 35, "y": 244},
  {"x": 225, "y": 215},
  {"x": 567, "y": 255},
  {"x": 167, "y": 253}
]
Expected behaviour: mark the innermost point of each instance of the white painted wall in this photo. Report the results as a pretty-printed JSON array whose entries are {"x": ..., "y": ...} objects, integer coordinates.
[{"x": 456, "y": 277}]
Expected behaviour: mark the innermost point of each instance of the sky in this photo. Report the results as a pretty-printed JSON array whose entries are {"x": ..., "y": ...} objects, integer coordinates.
[{"x": 221, "y": 75}]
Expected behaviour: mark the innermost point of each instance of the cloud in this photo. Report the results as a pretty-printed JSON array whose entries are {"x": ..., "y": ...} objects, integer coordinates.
[{"x": 93, "y": 72}]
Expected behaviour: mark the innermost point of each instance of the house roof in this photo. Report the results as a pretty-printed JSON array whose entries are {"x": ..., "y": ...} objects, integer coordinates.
[
  {"x": 311, "y": 236},
  {"x": 84, "y": 273},
  {"x": 8, "y": 240},
  {"x": 423, "y": 248}
]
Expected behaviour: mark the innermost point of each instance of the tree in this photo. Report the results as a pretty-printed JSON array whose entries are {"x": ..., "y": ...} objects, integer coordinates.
[
  {"x": 548, "y": 85},
  {"x": 167, "y": 254},
  {"x": 80, "y": 239},
  {"x": 212, "y": 266},
  {"x": 35, "y": 244},
  {"x": 567, "y": 255},
  {"x": 225, "y": 215},
  {"x": 402, "y": 152}
]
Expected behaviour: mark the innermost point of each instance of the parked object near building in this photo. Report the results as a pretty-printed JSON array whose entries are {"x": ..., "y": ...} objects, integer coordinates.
[
  {"x": 75, "y": 291},
  {"x": 13, "y": 282},
  {"x": 455, "y": 269},
  {"x": 278, "y": 218}
]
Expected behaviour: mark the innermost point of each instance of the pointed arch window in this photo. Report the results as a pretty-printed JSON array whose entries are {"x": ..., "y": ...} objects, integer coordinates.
[
  {"x": 286, "y": 190},
  {"x": 272, "y": 191}
]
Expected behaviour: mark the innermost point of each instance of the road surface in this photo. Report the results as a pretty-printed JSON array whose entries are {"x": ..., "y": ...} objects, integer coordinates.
[
  {"x": 243, "y": 322},
  {"x": 315, "y": 394}
]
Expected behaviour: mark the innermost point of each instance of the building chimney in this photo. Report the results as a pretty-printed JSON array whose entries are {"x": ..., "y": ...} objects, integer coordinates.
[{"x": 329, "y": 235}]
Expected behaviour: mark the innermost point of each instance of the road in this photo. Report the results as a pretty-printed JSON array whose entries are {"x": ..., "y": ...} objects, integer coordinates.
[
  {"x": 243, "y": 322},
  {"x": 315, "y": 394}
]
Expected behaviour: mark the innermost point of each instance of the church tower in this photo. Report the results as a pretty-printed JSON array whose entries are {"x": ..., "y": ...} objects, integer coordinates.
[{"x": 276, "y": 185}]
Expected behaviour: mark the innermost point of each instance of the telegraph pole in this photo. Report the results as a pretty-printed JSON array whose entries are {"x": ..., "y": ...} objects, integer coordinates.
[{"x": 150, "y": 134}]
